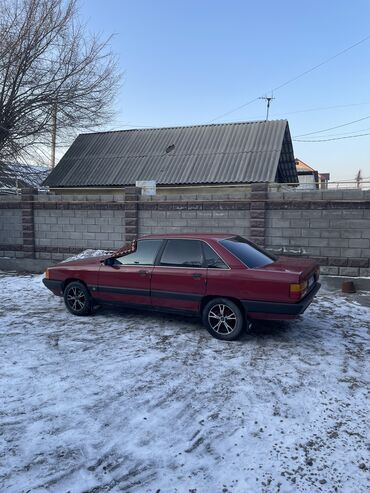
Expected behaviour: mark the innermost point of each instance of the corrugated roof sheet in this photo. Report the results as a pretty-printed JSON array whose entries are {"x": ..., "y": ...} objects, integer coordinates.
[
  {"x": 221, "y": 153},
  {"x": 19, "y": 175}
]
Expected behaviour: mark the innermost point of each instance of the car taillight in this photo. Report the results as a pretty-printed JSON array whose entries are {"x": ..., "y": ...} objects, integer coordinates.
[
  {"x": 46, "y": 275},
  {"x": 297, "y": 291}
]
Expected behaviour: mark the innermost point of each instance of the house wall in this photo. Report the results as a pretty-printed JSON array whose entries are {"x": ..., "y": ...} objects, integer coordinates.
[
  {"x": 307, "y": 181},
  {"x": 331, "y": 226}
]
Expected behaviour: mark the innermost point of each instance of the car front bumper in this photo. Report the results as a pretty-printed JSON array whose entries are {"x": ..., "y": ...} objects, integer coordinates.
[
  {"x": 275, "y": 310},
  {"x": 55, "y": 287}
]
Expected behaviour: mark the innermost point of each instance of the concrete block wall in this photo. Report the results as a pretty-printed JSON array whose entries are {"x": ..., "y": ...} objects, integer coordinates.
[
  {"x": 11, "y": 227},
  {"x": 205, "y": 213},
  {"x": 67, "y": 224},
  {"x": 11, "y": 237},
  {"x": 332, "y": 226}
]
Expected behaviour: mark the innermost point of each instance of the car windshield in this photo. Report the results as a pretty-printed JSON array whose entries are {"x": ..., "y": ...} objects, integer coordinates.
[{"x": 249, "y": 253}]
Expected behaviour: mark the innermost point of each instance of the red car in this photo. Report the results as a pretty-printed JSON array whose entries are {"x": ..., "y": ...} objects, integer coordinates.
[{"x": 225, "y": 279}]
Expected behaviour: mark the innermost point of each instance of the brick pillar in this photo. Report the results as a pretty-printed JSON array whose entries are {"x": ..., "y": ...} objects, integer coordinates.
[
  {"x": 28, "y": 225},
  {"x": 258, "y": 213},
  {"x": 132, "y": 195}
]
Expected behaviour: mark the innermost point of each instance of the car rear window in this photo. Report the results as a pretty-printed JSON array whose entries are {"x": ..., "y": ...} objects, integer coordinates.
[{"x": 248, "y": 253}]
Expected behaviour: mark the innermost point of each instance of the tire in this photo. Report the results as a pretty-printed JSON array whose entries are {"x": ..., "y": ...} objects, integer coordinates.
[
  {"x": 223, "y": 319},
  {"x": 77, "y": 299}
]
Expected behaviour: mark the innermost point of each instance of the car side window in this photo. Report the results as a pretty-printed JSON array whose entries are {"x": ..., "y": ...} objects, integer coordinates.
[
  {"x": 145, "y": 253},
  {"x": 212, "y": 260},
  {"x": 182, "y": 253}
]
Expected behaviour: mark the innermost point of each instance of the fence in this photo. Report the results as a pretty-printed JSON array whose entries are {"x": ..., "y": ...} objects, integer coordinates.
[{"x": 332, "y": 226}]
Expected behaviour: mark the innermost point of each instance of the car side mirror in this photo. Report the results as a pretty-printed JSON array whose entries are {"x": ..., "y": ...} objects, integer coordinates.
[{"x": 109, "y": 261}]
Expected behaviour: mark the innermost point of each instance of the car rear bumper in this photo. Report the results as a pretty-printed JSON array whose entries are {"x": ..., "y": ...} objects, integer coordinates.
[
  {"x": 280, "y": 309},
  {"x": 55, "y": 287}
]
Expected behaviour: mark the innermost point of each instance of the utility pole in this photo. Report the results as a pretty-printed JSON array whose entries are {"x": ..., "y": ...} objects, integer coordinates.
[
  {"x": 53, "y": 135},
  {"x": 358, "y": 179},
  {"x": 268, "y": 100}
]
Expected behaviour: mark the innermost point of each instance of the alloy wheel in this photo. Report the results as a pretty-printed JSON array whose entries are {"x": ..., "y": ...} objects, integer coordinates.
[
  {"x": 76, "y": 299},
  {"x": 222, "y": 319}
]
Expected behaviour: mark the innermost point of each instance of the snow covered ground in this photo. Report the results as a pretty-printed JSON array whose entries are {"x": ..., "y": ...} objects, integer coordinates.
[{"x": 137, "y": 402}]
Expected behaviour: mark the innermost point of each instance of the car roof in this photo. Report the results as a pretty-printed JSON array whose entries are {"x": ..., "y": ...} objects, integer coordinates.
[{"x": 195, "y": 236}]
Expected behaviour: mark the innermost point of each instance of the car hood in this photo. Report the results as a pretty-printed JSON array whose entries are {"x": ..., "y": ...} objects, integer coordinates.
[{"x": 84, "y": 261}]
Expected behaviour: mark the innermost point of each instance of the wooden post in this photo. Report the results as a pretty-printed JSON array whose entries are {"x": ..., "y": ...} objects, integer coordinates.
[{"x": 53, "y": 135}]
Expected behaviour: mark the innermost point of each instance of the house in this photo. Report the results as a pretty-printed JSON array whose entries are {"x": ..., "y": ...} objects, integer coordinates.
[
  {"x": 310, "y": 178},
  {"x": 14, "y": 176},
  {"x": 189, "y": 158}
]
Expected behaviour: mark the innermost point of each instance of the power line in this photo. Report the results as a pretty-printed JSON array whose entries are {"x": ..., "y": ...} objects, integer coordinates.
[
  {"x": 234, "y": 109},
  {"x": 327, "y": 60},
  {"x": 293, "y": 79},
  {"x": 334, "y": 138},
  {"x": 350, "y": 132},
  {"x": 119, "y": 124},
  {"x": 333, "y": 128},
  {"x": 322, "y": 108}
]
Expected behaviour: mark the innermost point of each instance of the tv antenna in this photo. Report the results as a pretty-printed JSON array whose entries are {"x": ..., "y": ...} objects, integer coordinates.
[{"x": 268, "y": 100}]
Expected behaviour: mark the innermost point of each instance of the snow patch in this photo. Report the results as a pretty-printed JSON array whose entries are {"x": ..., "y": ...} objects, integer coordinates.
[
  {"x": 133, "y": 401},
  {"x": 87, "y": 254}
]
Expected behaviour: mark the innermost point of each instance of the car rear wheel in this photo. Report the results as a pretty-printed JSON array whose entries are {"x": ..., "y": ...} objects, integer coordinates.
[
  {"x": 77, "y": 298},
  {"x": 223, "y": 319}
]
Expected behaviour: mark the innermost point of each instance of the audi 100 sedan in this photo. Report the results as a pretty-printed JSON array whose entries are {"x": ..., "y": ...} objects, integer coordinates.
[{"x": 225, "y": 279}]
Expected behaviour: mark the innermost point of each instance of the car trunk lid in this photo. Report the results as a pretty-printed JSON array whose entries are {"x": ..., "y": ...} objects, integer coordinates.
[
  {"x": 303, "y": 268},
  {"x": 306, "y": 273}
]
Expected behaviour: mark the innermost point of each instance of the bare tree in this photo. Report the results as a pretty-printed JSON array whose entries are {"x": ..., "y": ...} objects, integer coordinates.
[{"x": 50, "y": 65}]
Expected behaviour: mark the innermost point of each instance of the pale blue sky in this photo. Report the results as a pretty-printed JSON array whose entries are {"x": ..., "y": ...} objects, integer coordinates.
[{"x": 187, "y": 62}]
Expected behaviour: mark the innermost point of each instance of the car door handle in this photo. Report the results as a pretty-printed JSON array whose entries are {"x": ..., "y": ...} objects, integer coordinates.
[
  {"x": 143, "y": 272},
  {"x": 196, "y": 276}
]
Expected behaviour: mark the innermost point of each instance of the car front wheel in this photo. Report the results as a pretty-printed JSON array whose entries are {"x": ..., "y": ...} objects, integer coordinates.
[
  {"x": 223, "y": 319},
  {"x": 77, "y": 298}
]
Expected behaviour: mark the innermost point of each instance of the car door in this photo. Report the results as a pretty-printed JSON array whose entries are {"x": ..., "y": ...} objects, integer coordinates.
[
  {"x": 127, "y": 280},
  {"x": 179, "y": 277}
]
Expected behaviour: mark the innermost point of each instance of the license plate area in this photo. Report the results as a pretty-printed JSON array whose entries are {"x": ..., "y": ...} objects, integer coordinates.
[{"x": 311, "y": 282}]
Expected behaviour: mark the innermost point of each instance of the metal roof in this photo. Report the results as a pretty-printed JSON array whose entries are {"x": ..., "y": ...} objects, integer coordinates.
[
  {"x": 221, "y": 153},
  {"x": 19, "y": 175}
]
